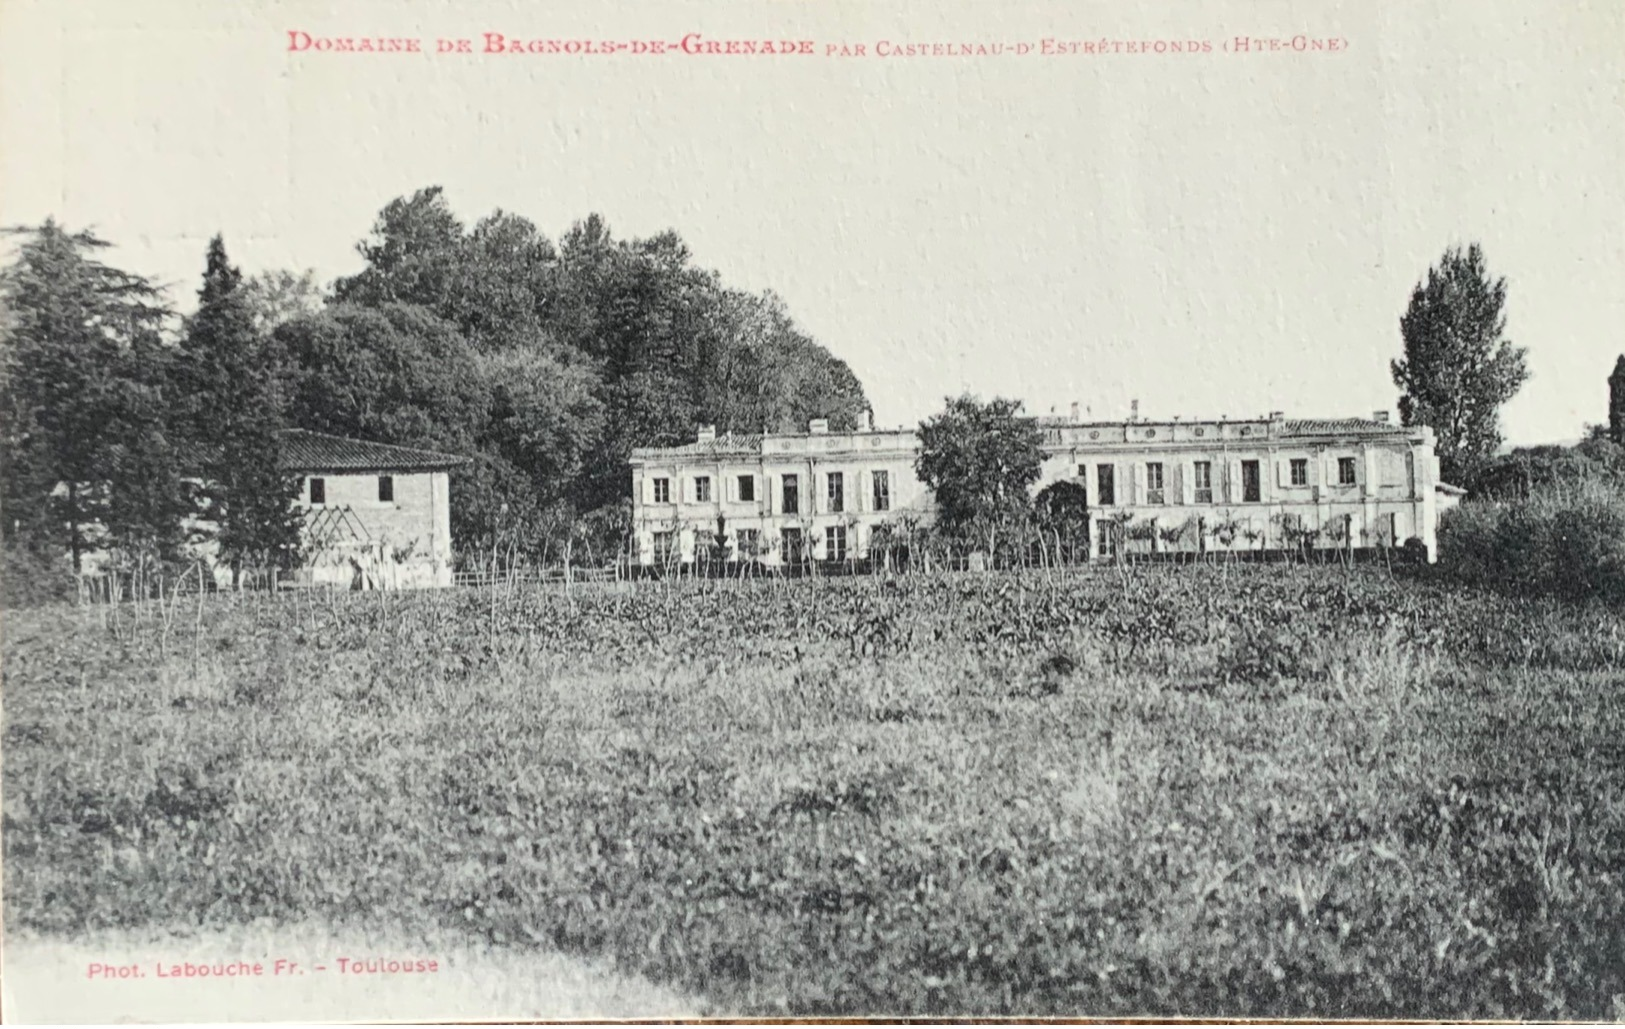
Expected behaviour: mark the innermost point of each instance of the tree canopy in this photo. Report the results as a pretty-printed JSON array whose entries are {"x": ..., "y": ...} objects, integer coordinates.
[
  {"x": 543, "y": 362},
  {"x": 980, "y": 460},
  {"x": 88, "y": 458},
  {"x": 1458, "y": 366},
  {"x": 587, "y": 349}
]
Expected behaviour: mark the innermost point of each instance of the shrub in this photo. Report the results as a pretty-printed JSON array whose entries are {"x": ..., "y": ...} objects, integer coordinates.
[
  {"x": 29, "y": 578},
  {"x": 1564, "y": 542}
]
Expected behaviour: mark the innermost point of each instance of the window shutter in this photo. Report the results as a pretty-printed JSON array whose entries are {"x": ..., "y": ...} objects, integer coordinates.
[
  {"x": 767, "y": 494},
  {"x": 730, "y": 488},
  {"x": 648, "y": 489},
  {"x": 1317, "y": 467},
  {"x": 1283, "y": 472},
  {"x": 1177, "y": 494},
  {"x": 1137, "y": 493}
]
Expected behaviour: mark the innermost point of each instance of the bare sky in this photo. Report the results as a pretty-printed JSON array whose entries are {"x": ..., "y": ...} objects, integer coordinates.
[{"x": 1209, "y": 233}]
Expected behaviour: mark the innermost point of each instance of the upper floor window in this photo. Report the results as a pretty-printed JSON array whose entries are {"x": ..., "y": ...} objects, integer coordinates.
[
  {"x": 792, "y": 494},
  {"x": 1154, "y": 493},
  {"x": 1345, "y": 471},
  {"x": 837, "y": 492},
  {"x": 1202, "y": 481},
  {"x": 318, "y": 491},
  {"x": 747, "y": 487},
  {"x": 1300, "y": 471},
  {"x": 386, "y": 489},
  {"x": 662, "y": 491},
  {"x": 1251, "y": 484},
  {"x": 1105, "y": 486},
  {"x": 882, "y": 490},
  {"x": 702, "y": 489}
]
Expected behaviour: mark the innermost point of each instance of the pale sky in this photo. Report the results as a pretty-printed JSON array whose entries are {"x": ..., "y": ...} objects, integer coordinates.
[{"x": 1211, "y": 233}]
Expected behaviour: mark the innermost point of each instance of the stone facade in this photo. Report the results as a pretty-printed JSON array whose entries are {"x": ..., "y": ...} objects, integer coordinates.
[
  {"x": 376, "y": 516},
  {"x": 1267, "y": 483}
]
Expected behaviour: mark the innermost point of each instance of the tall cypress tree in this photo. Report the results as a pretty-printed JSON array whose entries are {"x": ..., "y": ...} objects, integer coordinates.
[
  {"x": 235, "y": 409},
  {"x": 1616, "y": 402}
]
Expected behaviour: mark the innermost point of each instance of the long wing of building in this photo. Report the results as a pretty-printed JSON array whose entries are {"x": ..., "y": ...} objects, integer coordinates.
[{"x": 1252, "y": 484}]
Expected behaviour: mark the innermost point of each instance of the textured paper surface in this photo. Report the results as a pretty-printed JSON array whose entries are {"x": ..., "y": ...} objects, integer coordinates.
[{"x": 1044, "y": 200}]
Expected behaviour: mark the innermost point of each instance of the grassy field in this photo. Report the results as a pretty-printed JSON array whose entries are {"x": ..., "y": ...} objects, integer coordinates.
[{"x": 1263, "y": 791}]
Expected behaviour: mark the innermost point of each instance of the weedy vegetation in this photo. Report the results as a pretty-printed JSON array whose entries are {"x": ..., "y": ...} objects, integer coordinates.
[{"x": 1261, "y": 790}]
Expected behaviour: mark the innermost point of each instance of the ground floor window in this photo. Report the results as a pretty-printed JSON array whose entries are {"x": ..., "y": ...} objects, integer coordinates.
[
  {"x": 835, "y": 543},
  {"x": 792, "y": 546},
  {"x": 664, "y": 547},
  {"x": 750, "y": 543},
  {"x": 318, "y": 491}
]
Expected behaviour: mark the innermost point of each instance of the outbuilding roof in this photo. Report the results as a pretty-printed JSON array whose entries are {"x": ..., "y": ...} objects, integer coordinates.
[{"x": 307, "y": 451}]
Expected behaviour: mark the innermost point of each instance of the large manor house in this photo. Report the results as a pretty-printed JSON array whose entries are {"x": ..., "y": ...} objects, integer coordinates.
[{"x": 1276, "y": 483}]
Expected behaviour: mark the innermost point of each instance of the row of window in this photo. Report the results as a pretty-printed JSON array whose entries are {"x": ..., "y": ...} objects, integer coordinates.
[
  {"x": 792, "y": 544},
  {"x": 316, "y": 491},
  {"x": 834, "y": 491},
  {"x": 1202, "y": 480}
]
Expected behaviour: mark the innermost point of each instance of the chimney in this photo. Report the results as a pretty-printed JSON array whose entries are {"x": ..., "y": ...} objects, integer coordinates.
[
  {"x": 707, "y": 433},
  {"x": 818, "y": 426},
  {"x": 1075, "y": 417},
  {"x": 1380, "y": 416},
  {"x": 863, "y": 421},
  {"x": 1133, "y": 410},
  {"x": 1276, "y": 416}
]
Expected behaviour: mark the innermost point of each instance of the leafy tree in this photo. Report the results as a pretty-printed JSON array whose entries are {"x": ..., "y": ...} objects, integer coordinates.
[
  {"x": 1062, "y": 510},
  {"x": 281, "y": 296},
  {"x": 542, "y": 416},
  {"x": 394, "y": 373},
  {"x": 647, "y": 347},
  {"x": 147, "y": 501},
  {"x": 1458, "y": 367},
  {"x": 82, "y": 413},
  {"x": 1532, "y": 471},
  {"x": 979, "y": 461},
  {"x": 235, "y": 409},
  {"x": 411, "y": 255}
]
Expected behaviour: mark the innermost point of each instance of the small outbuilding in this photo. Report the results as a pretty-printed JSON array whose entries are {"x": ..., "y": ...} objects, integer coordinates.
[{"x": 377, "y": 516}]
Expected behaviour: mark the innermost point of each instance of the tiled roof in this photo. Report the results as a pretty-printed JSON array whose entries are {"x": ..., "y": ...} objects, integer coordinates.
[
  {"x": 723, "y": 446},
  {"x": 1325, "y": 426},
  {"x": 307, "y": 451}
]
